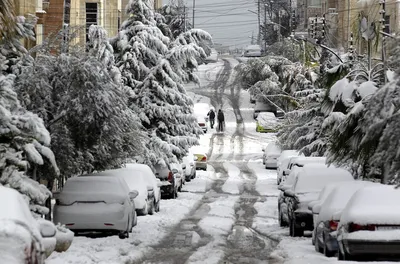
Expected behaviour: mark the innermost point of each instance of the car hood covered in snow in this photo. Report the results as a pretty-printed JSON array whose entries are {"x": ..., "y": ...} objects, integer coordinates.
[{"x": 267, "y": 121}]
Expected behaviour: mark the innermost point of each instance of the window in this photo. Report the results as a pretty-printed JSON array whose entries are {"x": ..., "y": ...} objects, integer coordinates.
[
  {"x": 387, "y": 24},
  {"x": 39, "y": 5},
  {"x": 91, "y": 17}
]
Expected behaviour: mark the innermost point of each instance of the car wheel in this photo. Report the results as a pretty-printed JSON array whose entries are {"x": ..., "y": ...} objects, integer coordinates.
[
  {"x": 135, "y": 219},
  {"x": 158, "y": 206},
  {"x": 123, "y": 235},
  {"x": 153, "y": 208},
  {"x": 340, "y": 255},
  {"x": 327, "y": 252}
]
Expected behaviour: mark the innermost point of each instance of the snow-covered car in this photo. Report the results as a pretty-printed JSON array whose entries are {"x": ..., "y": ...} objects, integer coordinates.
[
  {"x": 328, "y": 215},
  {"x": 261, "y": 107},
  {"x": 267, "y": 123},
  {"x": 283, "y": 162},
  {"x": 202, "y": 123},
  {"x": 144, "y": 201},
  {"x": 271, "y": 154},
  {"x": 252, "y": 51},
  {"x": 177, "y": 170},
  {"x": 190, "y": 166},
  {"x": 169, "y": 183},
  {"x": 96, "y": 203},
  {"x": 22, "y": 238},
  {"x": 201, "y": 110},
  {"x": 310, "y": 180},
  {"x": 300, "y": 162},
  {"x": 200, "y": 158},
  {"x": 151, "y": 181},
  {"x": 369, "y": 226},
  {"x": 315, "y": 206}
]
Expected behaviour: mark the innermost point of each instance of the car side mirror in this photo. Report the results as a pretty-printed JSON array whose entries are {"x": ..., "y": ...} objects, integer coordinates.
[
  {"x": 286, "y": 172},
  {"x": 47, "y": 228},
  {"x": 316, "y": 209},
  {"x": 289, "y": 193},
  {"x": 133, "y": 194},
  {"x": 263, "y": 149},
  {"x": 150, "y": 188},
  {"x": 195, "y": 158},
  {"x": 183, "y": 166}
]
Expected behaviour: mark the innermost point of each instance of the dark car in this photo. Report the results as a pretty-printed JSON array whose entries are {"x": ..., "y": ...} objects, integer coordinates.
[{"x": 169, "y": 183}]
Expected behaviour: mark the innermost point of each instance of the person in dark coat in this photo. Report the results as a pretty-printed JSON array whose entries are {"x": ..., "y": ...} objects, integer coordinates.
[
  {"x": 221, "y": 120},
  {"x": 211, "y": 115}
]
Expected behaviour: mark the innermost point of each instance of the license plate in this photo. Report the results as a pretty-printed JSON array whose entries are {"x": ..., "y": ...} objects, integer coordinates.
[{"x": 387, "y": 227}]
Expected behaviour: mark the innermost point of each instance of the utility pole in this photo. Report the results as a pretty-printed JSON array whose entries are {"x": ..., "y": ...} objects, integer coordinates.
[
  {"x": 184, "y": 18},
  {"x": 348, "y": 19},
  {"x": 259, "y": 20},
  {"x": 265, "y": 28},
  {"x": 382, "y": 3},
  {"x": 279, "y": 25},
  {"x": 194, "y": 6}
]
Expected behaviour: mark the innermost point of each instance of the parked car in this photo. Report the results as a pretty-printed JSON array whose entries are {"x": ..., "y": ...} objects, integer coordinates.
[
  {"x": 267, "y": 123},
  {"x": 252, "y": 51},
  {"x": 169, "y": 183},
  {"x": 136, "y": 181},
  {"x": 271, "y": 154},
  {"x": 96, "y": 203},
  {"x": 151, "y": 180},
  {"x": 22, "y": 238},
  {"x": 200, "y": 158},
  {"x": 201, "y": 121},
  {"x": 280, "y": 114},
  {"x": 283, "y": 161},
  {"x": 300, "y": 162},
  {"x": 315, "y": 206},
  {"x": 177, "y": 170},
  {"x": 329, "y": 213},
  {"x": 261, "y": 107},
  {"x": 309, "y": 182},
  {"x": 369, "y": 225},
  {"x": 201, "y": 110},
  {"x": 190, "y": 166}
]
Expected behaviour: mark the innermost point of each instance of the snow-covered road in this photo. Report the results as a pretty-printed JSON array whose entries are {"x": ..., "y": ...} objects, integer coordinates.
[{"x": 226, "y": 215}]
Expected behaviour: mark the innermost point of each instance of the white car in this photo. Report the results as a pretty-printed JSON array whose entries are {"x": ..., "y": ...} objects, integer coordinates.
[
  {"x": 189, "y": 166},
  {"x": 96, "y": 203},
  {"x": 300, "y": 162},
  {"x": 328, "y": 215},
  {"x": 136, "y": 180},
  {"x": 309, "y": 182},
  {"x": 22, "y": 238},
  {"x": 151, "y": 181},
  {"x": 202, "y": 122},
  {"x": 283, "y": 162},
  {"x": 177, "y": 170},
  {"x": 271, "y": 154},
  {"x": 369, "y": 226}
]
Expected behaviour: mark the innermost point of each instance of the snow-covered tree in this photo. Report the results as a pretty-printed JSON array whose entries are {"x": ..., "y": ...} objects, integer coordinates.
[
  {"x": 175, "y": 18},
  {"x": 154, "y": 68}
]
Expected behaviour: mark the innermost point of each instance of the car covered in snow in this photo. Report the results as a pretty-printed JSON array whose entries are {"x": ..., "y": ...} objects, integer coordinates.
[
  {"x": 328, "y": 215},
  {"x": 369, "y": 226},
  {"x": 262, "y": 107},
  {"x": 271, "y": 154},
  {"x": 169, "y": 181},
  {"x": 267, "y": 123},
  {"x": 22, "y": 238},
  {"x": 136, "y": 180},
  {"x": 177, "y": 170},
  {"x": 96, "y": 203},
  {"x": 190, "y": 166},
  {"x": 283, "y": 162},
  {"x": 309, "y": 182},
  {"x": 300, "y": 161},
  {"x": 150, "y": 179},
  {"x": 200, "y": 158},
  {"x": 201, "y": 121}
]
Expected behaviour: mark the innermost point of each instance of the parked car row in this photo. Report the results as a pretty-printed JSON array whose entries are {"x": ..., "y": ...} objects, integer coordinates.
[{"x": 353, "y": 219}]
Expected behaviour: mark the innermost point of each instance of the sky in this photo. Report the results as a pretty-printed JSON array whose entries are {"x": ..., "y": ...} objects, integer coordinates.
[{"x": 228, "y": 21}]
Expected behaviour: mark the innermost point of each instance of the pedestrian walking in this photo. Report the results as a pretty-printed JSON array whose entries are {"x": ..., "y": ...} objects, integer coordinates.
[
  {"x": 221, "y": 120},
  {"x": 211, "y": 115}
]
